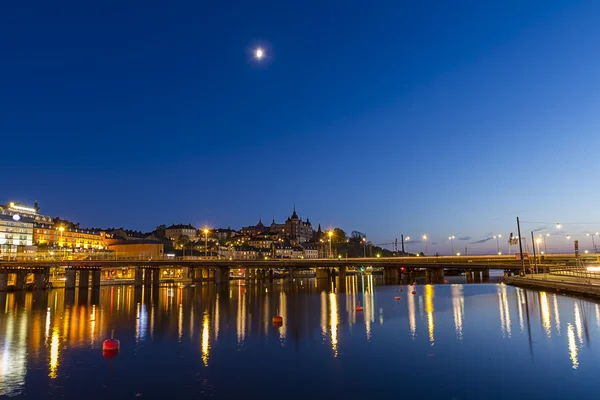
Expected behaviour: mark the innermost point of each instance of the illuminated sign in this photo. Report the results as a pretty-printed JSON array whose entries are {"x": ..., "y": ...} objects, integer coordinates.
[
  {"x": 27, "y": 209},
  {"x": 16, "y": 217}
]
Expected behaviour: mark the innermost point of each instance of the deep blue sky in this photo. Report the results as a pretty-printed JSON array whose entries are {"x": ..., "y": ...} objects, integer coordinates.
[{"x": 386, "y": 117}]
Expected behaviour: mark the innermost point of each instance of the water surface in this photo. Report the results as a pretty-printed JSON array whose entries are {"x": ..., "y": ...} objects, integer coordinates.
[{"x": 487, "y": 341}]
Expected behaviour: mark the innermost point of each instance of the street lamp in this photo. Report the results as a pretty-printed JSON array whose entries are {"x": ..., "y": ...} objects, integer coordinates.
[
  {"x": 425, "y": 239},
  {"x": 259, "y": 53},
  {"x": 452, "y": 242},
  {"x": 330, "y": 233},
  {"x": 406, "y": 243},
  {"x": 61, "y": 229},
  {"x": 205, "y": 242},
  {"x": 593, "y": 242},
  {"x": 558, "y": 225},
  {"x": 364, "y": 240},
  {"x": 544, "y": 238},
  {"x": 497, "y": 237}
]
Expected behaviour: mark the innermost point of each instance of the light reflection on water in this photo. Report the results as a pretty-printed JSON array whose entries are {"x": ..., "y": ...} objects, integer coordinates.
[{"x": 60, "y": 334}]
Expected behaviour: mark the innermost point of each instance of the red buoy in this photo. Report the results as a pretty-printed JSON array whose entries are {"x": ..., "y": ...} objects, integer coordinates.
[
  {"x": 415, "y": 282},
  {"x": 401, "y": 290},
  {"x": 397, "y": 298},
  {"x": 278, "y": 319},
  {"x": 358, "y": 308},
  {"x": 410, "y": 284},
  {"x": 111, "y": 347},
  {"x": 414, "y": 292}
]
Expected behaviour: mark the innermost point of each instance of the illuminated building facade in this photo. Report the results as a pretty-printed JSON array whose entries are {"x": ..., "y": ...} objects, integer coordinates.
[{"x": 16, "y": 235}]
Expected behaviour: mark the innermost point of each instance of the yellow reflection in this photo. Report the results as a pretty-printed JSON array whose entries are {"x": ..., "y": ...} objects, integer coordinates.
[
  {"x": 205, "y": 338},
  {"x": 241, "y": 316},
  {"x": 458, "y": 308},
  {"x": 333, "y": 323},
  {"x": 47, "y": 328},
  {"x": 572, "y": 346},
  {"x": 578, "y": 324},
  {"x": 557, "y": 314},
  {"x": 192, "y": 322},
  {"x": 545, "y": 311},
  {"x": 505, "y": 323},
  {"x": 412, "y": 323},
  {"x": 324, "y": 315},
  {"x": 369, "y": 307},
  {"x": 283, "y": 314},
  {"x": 180, "y": 323},
  {"x": 54, "y": 354},
  {"x": 93, "y": 327},
  {"x": 217, "y": 318},
  {"x": 429, "y": 293}
]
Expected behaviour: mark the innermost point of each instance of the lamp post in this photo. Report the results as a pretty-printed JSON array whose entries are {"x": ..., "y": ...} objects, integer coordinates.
[
  {"x": 593, "y": 242},
  {"x": 452, "y": 242},
  {"x": 544, "y": 238},
  {"x": 330, "y": 234},
  {"x": 425, "y": 237},
  {"x": 205, "y": 242},
  {"x": 364, "y": 240},
  {"x": 497, "y": 237},
  {"x": 407, "y": 239}
]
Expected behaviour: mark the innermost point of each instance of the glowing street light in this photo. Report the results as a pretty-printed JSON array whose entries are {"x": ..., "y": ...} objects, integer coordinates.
[
  {"x": 593, "y": 242},
  {"x": 364, "y": 240},
  {"x": 425, "y": 237},
  {"x": 452, "y": 242},
  {"x": 205, "y": 242},
  {"x": 406, "y": 243},
  {"x": 558, "y": 225},
  {"x": 330, "y": 234}
]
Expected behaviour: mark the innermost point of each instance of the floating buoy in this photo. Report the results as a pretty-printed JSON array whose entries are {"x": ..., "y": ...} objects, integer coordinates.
[
  {"x": 359, "y": 308},
  {"x": 401, "y": 290},
  {"x": 414, "y": 292},
  {"x": 111, "y": 347},
  {"x": 415, "y": 282},
  {"x": 446, "y": 281},
  {"x": 397, "y": 298},
  {"x": 410, "y": 284},
  {"x": 278, "y": 319}
]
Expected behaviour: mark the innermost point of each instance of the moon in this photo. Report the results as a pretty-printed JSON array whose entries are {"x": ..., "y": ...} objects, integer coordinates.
[{"x": 259, "y": 53}]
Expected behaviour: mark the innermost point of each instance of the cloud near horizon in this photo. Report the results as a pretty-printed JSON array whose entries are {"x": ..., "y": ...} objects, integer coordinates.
[
  {"x": 487, "y": 239},
  {"x": 465, "y": 238}
]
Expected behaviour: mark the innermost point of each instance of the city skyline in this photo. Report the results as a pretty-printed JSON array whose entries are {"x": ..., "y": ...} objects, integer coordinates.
[{"x": 407, "y": 119}]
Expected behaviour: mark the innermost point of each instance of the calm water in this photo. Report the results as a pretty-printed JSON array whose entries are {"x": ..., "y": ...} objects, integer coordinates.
[{"x": 451, "y": 341}]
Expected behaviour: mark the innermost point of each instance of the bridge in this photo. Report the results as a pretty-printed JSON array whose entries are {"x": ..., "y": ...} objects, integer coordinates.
[{"x": 147, "y": 271}]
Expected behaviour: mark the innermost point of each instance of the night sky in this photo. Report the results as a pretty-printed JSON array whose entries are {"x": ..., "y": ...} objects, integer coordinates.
[{"x": 387, "y": 117}]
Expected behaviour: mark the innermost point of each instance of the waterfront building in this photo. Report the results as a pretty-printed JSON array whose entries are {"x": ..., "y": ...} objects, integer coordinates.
[
  {"x": 16, "y": 236},
  {"x": 310, "y": 251},
  {"x": 175, "y": 231}
]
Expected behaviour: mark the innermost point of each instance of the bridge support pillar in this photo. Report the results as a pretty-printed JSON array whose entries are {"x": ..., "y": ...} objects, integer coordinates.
[
  {"x": 40, "y": 279},
  {"x": 137, "y": 277},
  {"x": 185, "y": 273},
  {"x": 469, "y": 276},
  {"x": 247, "y": 274},
  {"x": 342, "y": 273},
  {"x": 147, "y": 277},
  {"x": 70, "y": 278},
  {"x": 476, "y": 276},
  {"x": 485, "y": 275},
  {"x": 290, "y": 273},
  {"x": 393, "y": 274},
  {"x": 270, "y": 273},
  {"x": 3, "y": 281},
  {"x": 20, "y": 280},
  {"x": 221, "y": 275},
  {"x": 322, "y": 273},
  {"x": 84, "y": 279},
  {"x": 156, "y": 277},
  {"x": 96, "y": 278}
]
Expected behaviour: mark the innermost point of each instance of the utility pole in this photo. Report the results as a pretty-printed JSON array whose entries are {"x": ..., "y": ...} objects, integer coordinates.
[
  {"x": 534, "y": 255},
  {"x": 521, "y": 247},
  {"x": 402, "y": 236}
]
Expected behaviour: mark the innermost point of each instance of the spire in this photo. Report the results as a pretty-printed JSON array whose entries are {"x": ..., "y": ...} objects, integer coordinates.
[
  {"x": 294, "y": 215},
  {"x": 319, "y": 230}
]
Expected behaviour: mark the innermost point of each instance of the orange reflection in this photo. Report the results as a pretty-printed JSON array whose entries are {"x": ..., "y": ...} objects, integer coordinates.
[
  {"x": 333, "y": 323},
  {"x": 54, "y": 349},
  {"x": 205, "y": 338}
]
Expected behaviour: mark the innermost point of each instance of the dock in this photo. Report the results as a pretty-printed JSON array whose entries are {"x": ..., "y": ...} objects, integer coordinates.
[{"x": 573, "y": 285}]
